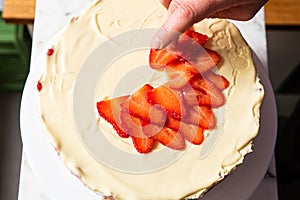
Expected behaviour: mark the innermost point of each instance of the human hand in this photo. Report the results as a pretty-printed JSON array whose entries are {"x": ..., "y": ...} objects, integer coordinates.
[{"x": 182, "y": 14}]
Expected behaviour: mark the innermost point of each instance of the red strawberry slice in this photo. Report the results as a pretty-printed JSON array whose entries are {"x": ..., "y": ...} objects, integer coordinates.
[
  {"x": 203, "y": 92},
  {"x": 143, "y": 145},
  {"x": 201, "y": 116},
  {"x": 110, "y": 110},
  {"x": 168, "y": 99},
  {"x": 160, "y": 58},
  {"x": 218, "y": 80},
  {"x": 165, "y": 136},
  {"x": 198, "y": 37},
  {"x": 170, "y": 138},
  {"x": 132, "y": 125},
  {"x": 204, "y": 60},
  {"x": 138, "y": 106},
  {"x": 190, "y": 43},
  {"x": 201, "y": 58},
  {"x": 179, "y": 74},
  {"x": 134, "y": 128},
  {"x": 192, "y": 133}
]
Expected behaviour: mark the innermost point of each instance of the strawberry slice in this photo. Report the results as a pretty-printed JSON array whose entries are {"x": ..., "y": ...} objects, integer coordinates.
[
  {"x": 204, "y": 60},
  {"x": 201, "y": 39},
  {"x": 201, "y": 116},
  {"x": 190, "y": 43},
  {"x": 143, "y": 145},
  {"x": 218, "y": 80},
  {"x": 203, "y": 92},
  {"x": 160, "y": 58},
  {"x": 201, "y": 58},
  {"x": 170, "y": 138},
  {"x": 179, "y": 74},
  {"x": 192, "y": 133},
  {"x": 138, "y": 106},
  {"x": 164, "y": 135},
  {"x": 134, "y": 128},
  {"x": 132, "y": 125},
  {"x": 110, "y": 110},
  {"x": 168, "y": 99}
]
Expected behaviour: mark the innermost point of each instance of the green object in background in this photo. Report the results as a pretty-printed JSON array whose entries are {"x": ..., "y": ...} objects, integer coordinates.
[{"x": 15, "y": 51}]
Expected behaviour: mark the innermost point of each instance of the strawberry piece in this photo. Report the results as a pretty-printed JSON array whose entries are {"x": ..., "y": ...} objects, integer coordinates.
[
  {"x": 50, "y": 52},
  {"x": 39, "y": 86},
  {"x": 168, "y": 99},
  {"x": 201, "y": 116},
  {"x": 190, "y": 44},
  {"x": 201, "y": 58},
  {"x": 205, "y": 60},
  {"x": 173, "y": 123},
  {"x": 198, "y": 37},
  {"x": 179, "y": 74},
  {"x": 110, "y": 110},
  {"x": 192, "y": 133},
  {"x": 134, "y": 128},
  {"x": 143, "y": 145},
  {"x": 138, "y": 106},
  {"x": 160, "y": 58},
  {"x": 170, "y": 138},
  {"x": 204, "y": 93},
  {"x": 218, "y": 80},
  {"x": 132, "y": 125}
]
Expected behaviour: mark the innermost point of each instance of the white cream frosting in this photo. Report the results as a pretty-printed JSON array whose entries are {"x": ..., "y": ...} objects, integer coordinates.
[{"x": 187, "y": 176}]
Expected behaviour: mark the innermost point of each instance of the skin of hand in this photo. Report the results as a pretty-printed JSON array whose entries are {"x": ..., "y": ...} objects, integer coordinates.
[{"x": 182, "y": 14}]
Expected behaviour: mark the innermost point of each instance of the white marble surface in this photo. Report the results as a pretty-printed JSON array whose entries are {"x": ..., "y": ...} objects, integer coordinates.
[
  {"x": 50, "y": 18},
  {"x": 1, "y": 4}
]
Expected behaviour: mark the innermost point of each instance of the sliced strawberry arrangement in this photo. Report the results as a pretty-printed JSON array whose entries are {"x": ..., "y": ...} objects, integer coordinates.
[
  {"x": 201, "y": 39},
  {"x": 168, "y": 99},
  {"x": 134, "y": 128},
  {"x": 201, "y": 116},
  {"x": 143, "y": 145},
  {"x": 204, "y": 59},
  {"x": 110, "y": 110},
  {"x": 179, "y": 73},
  {"x": 131, "y": 124},
  {"x": 218, "y": 80},
  {"x": 204, "y": 92},
  {"x": 178, "y": 110},
  {"x": 138, "y": 106},
  {"x": 160, "y": 58},
  {"x": 192, "y": 133},
  {"x": 170, "y": 138}
]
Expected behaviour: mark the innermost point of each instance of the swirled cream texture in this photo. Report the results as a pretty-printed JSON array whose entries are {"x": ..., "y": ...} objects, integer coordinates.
[{"x": 189, "y": 175}]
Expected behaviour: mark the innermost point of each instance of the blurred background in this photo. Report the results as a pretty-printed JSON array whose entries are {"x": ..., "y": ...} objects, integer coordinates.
[{"x": 283, "y": 43}]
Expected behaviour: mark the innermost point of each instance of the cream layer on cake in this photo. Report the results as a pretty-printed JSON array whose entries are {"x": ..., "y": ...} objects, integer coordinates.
[{"x": 188, "y": 176}]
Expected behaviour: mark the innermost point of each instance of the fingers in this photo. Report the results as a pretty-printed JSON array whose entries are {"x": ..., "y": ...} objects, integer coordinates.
[{"x": 181, "y": 16}]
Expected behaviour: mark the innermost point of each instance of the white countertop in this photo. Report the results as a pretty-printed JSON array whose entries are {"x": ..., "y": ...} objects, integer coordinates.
[
  {"x": 51, "y": 16},
  {"x": 1, "y": 4}
]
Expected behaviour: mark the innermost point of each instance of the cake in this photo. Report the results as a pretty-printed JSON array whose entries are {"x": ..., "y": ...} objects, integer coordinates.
[{"x": 91, "y": 62}]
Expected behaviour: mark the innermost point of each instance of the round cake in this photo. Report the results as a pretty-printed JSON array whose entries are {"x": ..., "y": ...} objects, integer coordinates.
[{"x": 103, "y": 55}]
